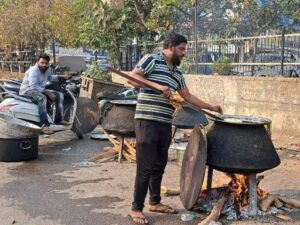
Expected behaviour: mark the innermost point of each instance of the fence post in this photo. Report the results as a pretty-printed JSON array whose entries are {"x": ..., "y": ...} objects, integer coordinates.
[
  {"x": 196, "y": 34},
  {"x": 282, "y": 49}
]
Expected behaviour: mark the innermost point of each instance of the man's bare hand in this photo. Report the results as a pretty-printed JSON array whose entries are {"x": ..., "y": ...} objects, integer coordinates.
[
  {"x": 166, "y": 91},
  {"x": 217, "y": 108}
]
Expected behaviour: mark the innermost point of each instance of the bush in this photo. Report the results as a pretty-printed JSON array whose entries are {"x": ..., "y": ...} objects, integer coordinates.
[
  {"x": 94, "y": 72},
  {"x": 222, "y": 66}
]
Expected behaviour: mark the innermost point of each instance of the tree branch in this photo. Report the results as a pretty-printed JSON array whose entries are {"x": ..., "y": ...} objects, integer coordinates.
[
  {"x": 140, "y": 15},
  {"x": 181, "y": 10}
]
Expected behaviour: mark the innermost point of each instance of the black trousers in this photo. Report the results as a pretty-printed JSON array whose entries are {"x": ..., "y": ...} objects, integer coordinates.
[{"x": 153, "y": 141}]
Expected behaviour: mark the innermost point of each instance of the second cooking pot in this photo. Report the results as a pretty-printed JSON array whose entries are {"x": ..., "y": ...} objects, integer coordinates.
[{"x": 120, "y": 118}]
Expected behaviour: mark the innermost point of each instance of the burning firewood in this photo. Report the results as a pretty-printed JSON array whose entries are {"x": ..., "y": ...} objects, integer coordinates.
[{"x": 215, "y": 213}]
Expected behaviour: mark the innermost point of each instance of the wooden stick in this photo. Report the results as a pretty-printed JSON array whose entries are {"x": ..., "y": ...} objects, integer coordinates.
[
  {"x": 267, "y": 202},
  {"x": 130, "y": 148},
  {"x": 106, "y": 152},
  {"x": 169, "y": 191},
  {"x": 108, "y": 158},
  {"x": 215, "y": 213},
  {"x": 278, "y": 203},
  {"x": 129, "y": 157},
  {"x": 150, "y": 85}
]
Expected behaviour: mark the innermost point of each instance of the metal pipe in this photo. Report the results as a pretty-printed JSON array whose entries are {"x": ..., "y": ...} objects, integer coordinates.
[
  {"x": 252, "y": 194},
  {"x": 209, "y": 180},
  {"x": 282, "y": 50},
  {"x": 196, "y": 35}
]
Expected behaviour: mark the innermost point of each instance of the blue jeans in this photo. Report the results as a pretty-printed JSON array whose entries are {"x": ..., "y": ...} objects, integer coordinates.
[{"x": 41, "y": 100}]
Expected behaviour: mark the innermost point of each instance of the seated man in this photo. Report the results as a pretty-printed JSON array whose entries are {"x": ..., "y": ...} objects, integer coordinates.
[{"x": 33, "y": 86}]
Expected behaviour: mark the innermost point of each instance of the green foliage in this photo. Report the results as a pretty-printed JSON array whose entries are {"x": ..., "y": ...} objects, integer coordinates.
[
  {"x": 94, "y": 72},
  {"x": 222, "y": 66},
  {"x": 186, "y": 64},
  {"x": 61, "y": 22}
]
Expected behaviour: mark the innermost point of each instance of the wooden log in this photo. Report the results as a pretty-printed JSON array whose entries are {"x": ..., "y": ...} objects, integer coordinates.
[
  {"x": 129, "y": 157},
  {"x": 267, "y": 202},
  {"x": 97, "y": 157},
  {"x": 278, "y": 203},
  {"x": 108, "y": 158},
  {"x": 292, "y": 202},
  {"x": 113, "y": 141},
  {"x": 169, "y": 191},
  {"x": 131, "y": 150},
  {"x": 215, "y": 213},
  {"x": 107, "y": 151}
]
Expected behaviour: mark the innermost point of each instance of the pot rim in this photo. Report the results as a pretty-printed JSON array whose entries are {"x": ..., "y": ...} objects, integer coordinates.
[
  {"x": 243, "y": 120},
  {"x": 124, "y": 102}
]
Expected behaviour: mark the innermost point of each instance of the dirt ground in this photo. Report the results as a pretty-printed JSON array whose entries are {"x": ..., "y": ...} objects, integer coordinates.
[{"x": 55, "y": 189}]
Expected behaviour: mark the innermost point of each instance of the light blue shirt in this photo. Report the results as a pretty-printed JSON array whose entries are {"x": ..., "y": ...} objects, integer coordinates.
[{"x": 35, "y": 80}]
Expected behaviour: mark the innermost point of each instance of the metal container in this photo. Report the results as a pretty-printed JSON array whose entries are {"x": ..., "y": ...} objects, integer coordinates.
[
  {"x": 187, "y": 117},
  {"x": 241, "y": 144},
  {"x": 120, "y": 118},
  {"x": 18, "y": 149},
  {"x": 11, "y": 127}
]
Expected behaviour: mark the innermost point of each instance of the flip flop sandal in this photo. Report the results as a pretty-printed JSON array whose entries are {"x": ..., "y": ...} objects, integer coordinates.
[{"x": 134, "y": 219}]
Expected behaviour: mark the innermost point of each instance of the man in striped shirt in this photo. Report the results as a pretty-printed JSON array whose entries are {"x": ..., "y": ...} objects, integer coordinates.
[{"x": 153, "y": 119}]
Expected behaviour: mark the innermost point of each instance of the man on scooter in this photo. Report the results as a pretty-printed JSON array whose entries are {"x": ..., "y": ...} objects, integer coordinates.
[{"x": 33, "y": 86}]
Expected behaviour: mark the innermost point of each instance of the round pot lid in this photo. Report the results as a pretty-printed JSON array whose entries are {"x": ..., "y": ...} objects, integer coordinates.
[
  {"x": 193, "y": 167},
  {"x": 123, "y": 102},
  {"x": 243, "y": 120}
]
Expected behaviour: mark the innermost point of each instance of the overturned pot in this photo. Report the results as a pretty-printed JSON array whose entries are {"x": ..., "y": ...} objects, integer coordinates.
[{"x": 120, "y": 118}]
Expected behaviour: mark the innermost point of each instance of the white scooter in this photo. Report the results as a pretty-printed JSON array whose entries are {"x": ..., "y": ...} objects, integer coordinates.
[{"x": 82, "y": 113}]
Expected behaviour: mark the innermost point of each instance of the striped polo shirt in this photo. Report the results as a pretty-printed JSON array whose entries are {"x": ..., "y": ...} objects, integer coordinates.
[{"x": 152, "y": 105}]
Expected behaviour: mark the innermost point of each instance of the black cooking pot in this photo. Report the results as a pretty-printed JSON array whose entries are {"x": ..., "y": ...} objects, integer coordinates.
[
  {"x": 120, "y": 118},
  {"x": 241, "y": 144},
  {"x": 18, "y": 149},
  {"x": 187, "y": 117}
]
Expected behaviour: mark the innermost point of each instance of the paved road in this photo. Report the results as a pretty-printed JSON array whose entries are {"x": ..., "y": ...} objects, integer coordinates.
[{"x": 55, "y": 189}]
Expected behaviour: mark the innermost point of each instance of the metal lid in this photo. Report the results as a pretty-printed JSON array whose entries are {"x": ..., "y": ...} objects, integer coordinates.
[
  {"x": 187, "y": 117},
  {"x": 87, "y": 115},
  {"x": 243, "y": 120},
  {"x": 193, "y": 167}
]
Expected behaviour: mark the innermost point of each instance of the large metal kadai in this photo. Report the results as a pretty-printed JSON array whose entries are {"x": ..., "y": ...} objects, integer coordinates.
[
  {"x": 18, "y": 149},
  {"x": 241, "y": 144},
  {"x": 187, "y": 117},
  {"x": 120, "y": 118},
  {"x": 18, "y": 139}
]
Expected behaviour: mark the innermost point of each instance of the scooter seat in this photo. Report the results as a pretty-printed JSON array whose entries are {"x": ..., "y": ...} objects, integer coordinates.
[
  {"x": 15, "y": 95},
  {"x": 19, "y": 97}
]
